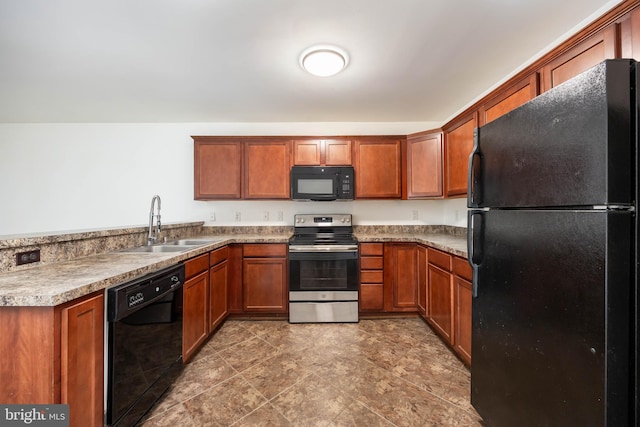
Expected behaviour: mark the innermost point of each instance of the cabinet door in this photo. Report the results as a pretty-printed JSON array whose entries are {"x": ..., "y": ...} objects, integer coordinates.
[
  {"x": 82, "y": 361},
  {"x": 422, "y": 280},
  {"x": 509, "y": 99},
  {"x": 307, "y": 152},
  {"x": 267, "y": 170},
  {"x": 265, "y": 285},
  {"x": 217, "y": 294},
  {"x": 378, "y": 168},
  {"x": 194, "y": 314},
  {"x": 424, "y": 165},
  {"x": 440, "y": 301},
  {"x": 217, "y": 169},
  {"x": 585, "y": 55},
  {"x": 630, "y": 35},
  {"x": 337, "y": 152},
  {"x": 402, "y": 286},
  {"x": 462, "y": 318},
  {"x": 458, "y": 146},
  {"x": 234, "y": 290}
]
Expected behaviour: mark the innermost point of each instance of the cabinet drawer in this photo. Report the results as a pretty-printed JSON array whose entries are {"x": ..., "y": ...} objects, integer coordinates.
[
  {"x": 372, "y": 276},
  {"x": 441, "y": 259},
  {"x": 218, "y": 255},
  {"x": 462, "y": 268},
  {"x": 371, "y": 249},
  {"x": 196, "y": 265},
  {"x": 371, "y": 297},
  {"x": 264, "y": 250},
  {"x": 371, "y": 263}
]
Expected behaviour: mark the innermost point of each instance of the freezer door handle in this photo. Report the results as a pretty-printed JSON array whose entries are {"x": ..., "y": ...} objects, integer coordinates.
[
  {"x": 474, "y": 195},
  {"x": 475, "y": 233}
]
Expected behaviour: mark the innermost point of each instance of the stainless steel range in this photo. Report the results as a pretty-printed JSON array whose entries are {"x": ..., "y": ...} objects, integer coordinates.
[{"x": 324, "y": 280}]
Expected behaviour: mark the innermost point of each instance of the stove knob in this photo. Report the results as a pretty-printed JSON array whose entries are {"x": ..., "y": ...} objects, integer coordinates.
[
  {"x": 301, "y": 219},
  {"x": 342, "y": 220}
]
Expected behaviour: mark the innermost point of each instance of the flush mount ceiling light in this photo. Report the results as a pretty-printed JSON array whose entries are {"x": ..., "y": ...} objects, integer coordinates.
[{"x": 324, "y": 60}]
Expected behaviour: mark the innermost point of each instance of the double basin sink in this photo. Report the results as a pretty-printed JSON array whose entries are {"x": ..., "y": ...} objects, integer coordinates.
[{"x": 180, "y": 245}]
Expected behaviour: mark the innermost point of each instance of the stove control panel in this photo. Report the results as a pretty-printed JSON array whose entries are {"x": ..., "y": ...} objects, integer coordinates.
[{"x": 329, "y": 220}]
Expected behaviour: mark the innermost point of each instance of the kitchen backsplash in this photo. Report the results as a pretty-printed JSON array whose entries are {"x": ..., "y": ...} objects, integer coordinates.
[{"x": 61, "y": 247}]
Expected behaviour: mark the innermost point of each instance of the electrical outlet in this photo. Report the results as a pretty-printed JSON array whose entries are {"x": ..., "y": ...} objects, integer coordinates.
[
  {"x": 414, "y": 215},
  {"x": 238, "y": 216},
  {"x": 265, "y": 215},
  {"x": 28, "y": 257},
  {"x": 280, "y": 216},
  {"x": 212, "y": 216}
]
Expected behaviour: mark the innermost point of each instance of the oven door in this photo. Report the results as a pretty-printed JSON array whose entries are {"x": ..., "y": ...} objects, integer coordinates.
[{"x": 323, "y": 271}]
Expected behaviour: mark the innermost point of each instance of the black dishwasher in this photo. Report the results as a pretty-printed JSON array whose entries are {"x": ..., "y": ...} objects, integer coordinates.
[{"x": 144, "y": 343}]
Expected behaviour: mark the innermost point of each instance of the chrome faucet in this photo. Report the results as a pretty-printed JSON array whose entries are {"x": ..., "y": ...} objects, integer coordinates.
[{"x": 153, "y": 234}]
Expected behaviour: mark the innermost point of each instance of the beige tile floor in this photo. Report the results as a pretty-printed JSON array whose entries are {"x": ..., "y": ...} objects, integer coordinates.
[{"x": 391, "y": 372}]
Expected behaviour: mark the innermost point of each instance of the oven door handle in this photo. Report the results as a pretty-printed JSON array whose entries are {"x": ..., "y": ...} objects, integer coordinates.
[
  {"x": 324, "y": 248},
  {"x": 321, "y": 256}
]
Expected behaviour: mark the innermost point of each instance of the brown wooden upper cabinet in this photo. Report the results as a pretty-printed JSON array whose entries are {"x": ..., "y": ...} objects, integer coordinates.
[
  {"x": 424, "y": 165},
  {"x": 322, "y": 152},
  {"x": 510, "y": 98},
  {"x": 217, "y": 169},
  {"x": 458, "y": 146},
  {"x": 378, "y": 167},
  {"x": 602, "y": 45},
  {"x": 630, "y": 35},
  {"x": 267, "y": 166}
]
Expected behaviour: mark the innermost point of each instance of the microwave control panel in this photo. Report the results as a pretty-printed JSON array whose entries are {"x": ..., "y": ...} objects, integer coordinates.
[{"x": 346, "y": 185}]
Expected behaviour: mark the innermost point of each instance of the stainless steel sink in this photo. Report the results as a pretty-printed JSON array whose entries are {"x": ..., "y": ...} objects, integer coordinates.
[
  {"x": 161, "y": 248},
  {"x": 172, "y": 246},
  {"x": 190, "y": 242}
]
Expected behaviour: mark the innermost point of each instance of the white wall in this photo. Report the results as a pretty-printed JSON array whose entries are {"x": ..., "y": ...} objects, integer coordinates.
[{"x": 58, "y": 177}]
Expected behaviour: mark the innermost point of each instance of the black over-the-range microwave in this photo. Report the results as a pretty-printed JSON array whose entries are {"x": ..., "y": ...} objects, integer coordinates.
[{"x": 322, "y": 183}]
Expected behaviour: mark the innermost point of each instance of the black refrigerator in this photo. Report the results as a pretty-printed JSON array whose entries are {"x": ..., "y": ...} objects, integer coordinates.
[{"x": 553, "y": 190}]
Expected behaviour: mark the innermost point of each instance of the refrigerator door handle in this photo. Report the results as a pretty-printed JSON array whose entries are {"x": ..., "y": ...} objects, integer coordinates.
[
  {"x": 475, "y": 233},
  {"x": 474, "y": 195}
]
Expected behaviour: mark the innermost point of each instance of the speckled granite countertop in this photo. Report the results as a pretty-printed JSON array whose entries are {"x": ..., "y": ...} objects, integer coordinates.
[
  {"x": 456, "y": 245},
  {"x": 53, "y": 284}
]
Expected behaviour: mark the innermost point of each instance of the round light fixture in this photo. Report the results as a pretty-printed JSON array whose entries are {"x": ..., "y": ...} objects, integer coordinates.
[{"x": 324, "y": 60}]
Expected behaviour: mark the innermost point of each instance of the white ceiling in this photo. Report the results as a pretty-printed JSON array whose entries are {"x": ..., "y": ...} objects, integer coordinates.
[{"x": 237, "y": 60}]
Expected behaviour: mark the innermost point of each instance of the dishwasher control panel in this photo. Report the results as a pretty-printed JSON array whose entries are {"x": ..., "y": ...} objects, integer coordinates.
[{"x": 129, "y": 297}]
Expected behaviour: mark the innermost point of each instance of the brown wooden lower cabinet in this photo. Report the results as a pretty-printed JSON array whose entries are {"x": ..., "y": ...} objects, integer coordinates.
[
  {"x": 401, "y": 277},
  {"x": 218, "y": 278},
  {"x": 440, "y": 293},
  {"x": 205, "y": 298},
  {"x": 440, "y": 310},
  {"x": 422, "y": 280},
  {"x": 462, "y": 315},
  {"x": 234, "y": 277},
  {"x": 194, "y": 322},
  {"x": 264, "y": 278},
  {"x": 56, "y": 356},
  {"x": 82, "y": 360},
  {"x": 371, "y": 277},
  {"x": 462, "y": 297}
]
